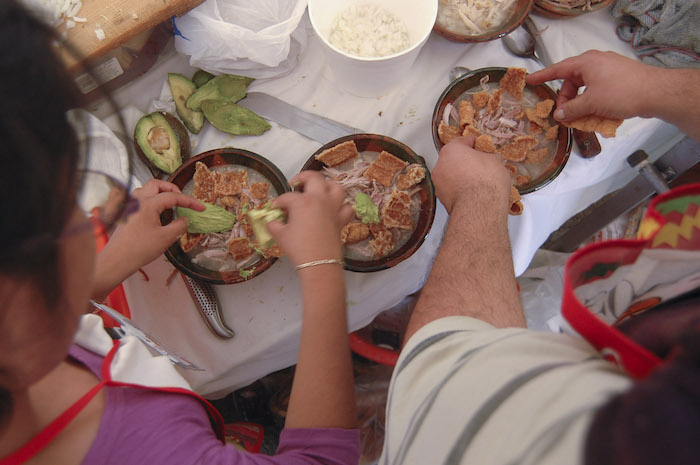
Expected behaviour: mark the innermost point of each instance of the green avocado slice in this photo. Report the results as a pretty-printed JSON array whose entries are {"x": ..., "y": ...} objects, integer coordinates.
[
  {"x": 234, "y": 119},
  {"x": 201, "y": 77},
  {"x": 162, "y": 140},
  {"x": 213, "y": 219},
  {"x": 227, "y": 87},
  {"x": 182, "y": 88}
]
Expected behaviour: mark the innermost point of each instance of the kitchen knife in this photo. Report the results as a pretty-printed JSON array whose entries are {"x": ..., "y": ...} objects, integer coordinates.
[
  {"x": 307, "y": 124},
  {"x": 671, "y": 165},
  {"x": 587, "y": 142},
  {"x": 130, "y": 329}
]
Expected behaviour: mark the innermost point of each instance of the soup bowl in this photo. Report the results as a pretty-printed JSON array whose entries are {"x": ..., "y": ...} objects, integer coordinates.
[
  {"x": 183, "y": 175},
  {"x": 471, "y": 81},
  {"x": 378, "y": 143}
]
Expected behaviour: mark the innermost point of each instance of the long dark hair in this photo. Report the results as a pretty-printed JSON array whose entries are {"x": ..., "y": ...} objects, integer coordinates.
[
  {"x": 658, "y": 419},
  {"x": 38, "y": 158}
]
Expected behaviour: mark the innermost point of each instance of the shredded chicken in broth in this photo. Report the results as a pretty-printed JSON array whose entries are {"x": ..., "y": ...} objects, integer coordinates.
[
  {"x": 388, "y": 214},
  {"x": 473, "y": 17},
  {"x": 238, "y": 189}
]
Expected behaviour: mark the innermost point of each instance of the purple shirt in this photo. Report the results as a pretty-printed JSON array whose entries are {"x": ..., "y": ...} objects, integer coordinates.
[{"x": 149, "y": 427}]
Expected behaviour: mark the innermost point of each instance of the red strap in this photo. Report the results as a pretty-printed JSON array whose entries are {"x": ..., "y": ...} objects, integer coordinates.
[{"x": 45, "y": 436}]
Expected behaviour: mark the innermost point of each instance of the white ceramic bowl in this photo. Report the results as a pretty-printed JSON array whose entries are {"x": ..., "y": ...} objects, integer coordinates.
[{"x": 375, "y": 76}]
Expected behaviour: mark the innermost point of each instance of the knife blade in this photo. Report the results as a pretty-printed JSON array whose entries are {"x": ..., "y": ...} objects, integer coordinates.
[
  {"x": 307, "y": 124},
  {"x": 131, "y": 329},
  {"x": 587, "y": 142},
  {"x": 672, "y": 164}
]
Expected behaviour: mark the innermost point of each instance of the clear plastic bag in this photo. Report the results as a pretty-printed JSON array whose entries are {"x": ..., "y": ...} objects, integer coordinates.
[{"x": 260, "y": 39}]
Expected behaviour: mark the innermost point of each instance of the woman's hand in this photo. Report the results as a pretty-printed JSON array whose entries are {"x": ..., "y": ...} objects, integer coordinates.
[
  {"x": 141, "y": 238},
  {"x": 314, "y": 219}
]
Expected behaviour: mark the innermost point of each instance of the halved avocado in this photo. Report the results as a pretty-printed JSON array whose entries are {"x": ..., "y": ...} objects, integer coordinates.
[
  {"x": 201, "y": 77},
  {"x": 182, "y": 88},
  {"x": 234, "y": 119},
  {"x": 227, "y": 87},
  {"x": 162, "y": 140}
]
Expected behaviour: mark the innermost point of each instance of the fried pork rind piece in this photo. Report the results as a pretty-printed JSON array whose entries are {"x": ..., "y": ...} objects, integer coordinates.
[
  {"x": 384, "y": 167},
  {"x": 228, "y": 201},
  {"x": 240, "y": 248},
  {"x": 517, "y": 150},
  {"x": 471, "y": 131},
  {"x": 396, "y": 212},
  {"x": 544, "y": 108},
  {"x": 465, "y": 110},
  {"x": 383, "y": 242},
  {"x": 258, "y": 190},
  {"x": 552, "y": 132},
  {"x": 535, "y": 128},
  {"x": 484, "y": 143},
  {"x": 537, "y": 156},
  {"x": 274, "y": 251},
  {"x": 481, "y": 99},
  {"x": 513, "y": 82},
  {"x": 494, "y": 101},
  {"x": 532, "y": 116},
  {"x": 447, "y": 133},
  {"x": 231, "y": 182},
  {"x": 516, "y": 206},
  {"x": 338, "y": 153},
  {"x": 607, "y": 127},
  {"x": 204, "y": 188},
  {"x": 189, "y": 240},
  {"x": 353, "y": 233},
  {"x": 521, "y": 179},
  {"x": 511, "y": 168},
  {"x": 413, "y": 176}
]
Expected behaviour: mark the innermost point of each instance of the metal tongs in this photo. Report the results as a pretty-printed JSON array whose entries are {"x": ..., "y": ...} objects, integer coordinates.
[{"x": 128, "y": 328}]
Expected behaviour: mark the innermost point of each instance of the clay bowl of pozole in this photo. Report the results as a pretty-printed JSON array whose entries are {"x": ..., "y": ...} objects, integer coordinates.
[
  {"x": 526, "y": 119},
  {"x": 237, "y": 181},
  {"x": 467, "y": 21},
  {"x": 390, "y": 189}
]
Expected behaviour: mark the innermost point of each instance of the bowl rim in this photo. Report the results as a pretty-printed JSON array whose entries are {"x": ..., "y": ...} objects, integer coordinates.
[
  {"x": 485, "y": 37},
  {"x": 406, "y": 51},
  {"x": 261, "y": 265},
  {"x": 552, "y": 9},
  {"x": 410, "y": 247},
  {"x": 567, "y": 139}
]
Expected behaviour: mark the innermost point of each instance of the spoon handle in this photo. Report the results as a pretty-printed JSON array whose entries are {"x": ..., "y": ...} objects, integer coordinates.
[{"x": 587, "y": 143}]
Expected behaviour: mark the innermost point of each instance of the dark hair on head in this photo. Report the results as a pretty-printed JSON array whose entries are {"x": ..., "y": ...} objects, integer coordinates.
[
  {"x": 38, "y": 158},
  {"x": 658, "y": 419},
  {"x": 39, "y": 150}
]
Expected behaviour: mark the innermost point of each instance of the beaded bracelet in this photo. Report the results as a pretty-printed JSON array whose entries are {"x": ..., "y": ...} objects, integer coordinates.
[{"x": 326, "y": 261}]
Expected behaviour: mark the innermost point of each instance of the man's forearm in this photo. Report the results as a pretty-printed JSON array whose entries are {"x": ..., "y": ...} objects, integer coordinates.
[
  {"x": 473, "y": 273},
  {"x": 676, "y": 98}
]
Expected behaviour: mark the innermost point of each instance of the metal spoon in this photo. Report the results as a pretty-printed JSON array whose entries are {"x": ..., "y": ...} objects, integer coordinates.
[
  {"x": 521, "y": 43},
  {"x": 457, "y": 72}
]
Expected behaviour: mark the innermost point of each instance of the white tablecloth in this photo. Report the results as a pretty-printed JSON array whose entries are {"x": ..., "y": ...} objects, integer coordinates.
[{"x": 265, "y": 311}]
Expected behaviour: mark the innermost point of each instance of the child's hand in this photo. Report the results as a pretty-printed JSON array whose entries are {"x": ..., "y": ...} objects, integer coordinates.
[
  {"x": 142, "y": 238},
  {"x": 314, "y": 219}
]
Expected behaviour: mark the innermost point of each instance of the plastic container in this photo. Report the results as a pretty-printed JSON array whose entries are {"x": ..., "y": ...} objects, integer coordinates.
[{"x": 373, "y": 76}]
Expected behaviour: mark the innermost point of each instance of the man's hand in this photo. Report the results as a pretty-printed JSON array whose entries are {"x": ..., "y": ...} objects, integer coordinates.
[
  {"x": 616, "y": 86},
  {"x": 462, "y": 170}
]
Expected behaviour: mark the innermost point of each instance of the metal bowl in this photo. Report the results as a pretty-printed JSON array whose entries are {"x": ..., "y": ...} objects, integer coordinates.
[
  {"x": 377, "y": 143},
  {"x": 218, "y": 157},
  {"x": 522, "y": 9},
  {"x": 470, "y": 81}
]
